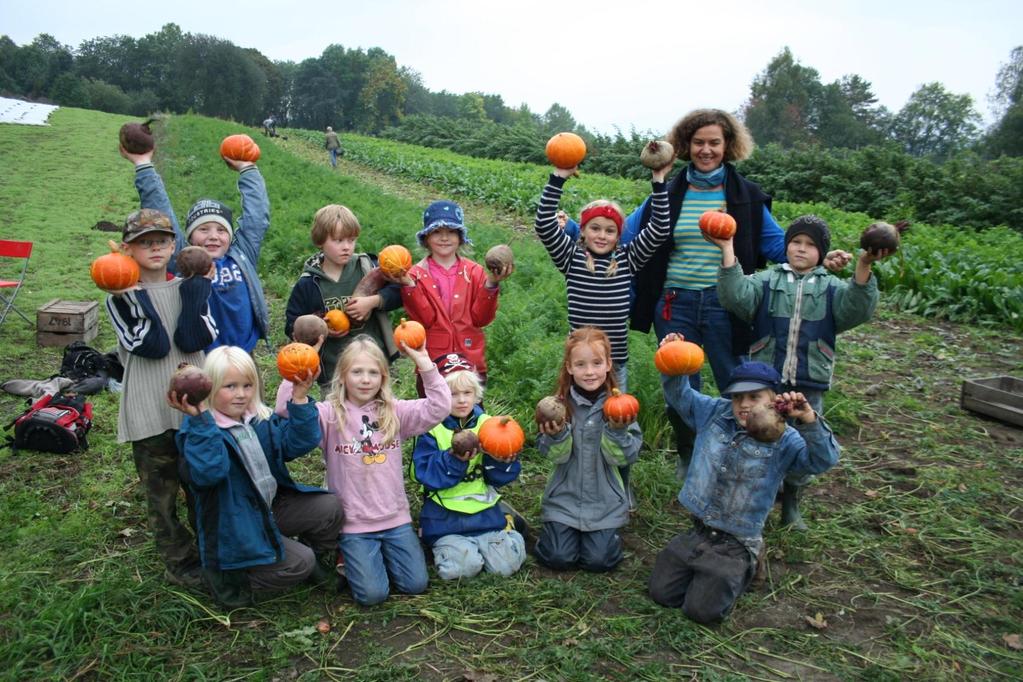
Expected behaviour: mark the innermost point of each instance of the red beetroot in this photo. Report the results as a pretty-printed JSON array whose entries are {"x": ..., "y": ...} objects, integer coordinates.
[
  {"x": 137, "y": 138},
  {"x": 765, "y": 424},
  {"x": 498, "y": 257},
  {"x": 370, "y": 283},
  {"x": 883, "y": 237},
  {"x": 464, "y": 442},
  {"x": 656, "y": 154},
  {"x": 550, "y": 409},
  {"x": 308, "y": 329},
  {"x": 192, "y": 261},
  {"x": 191, "y": 383}
]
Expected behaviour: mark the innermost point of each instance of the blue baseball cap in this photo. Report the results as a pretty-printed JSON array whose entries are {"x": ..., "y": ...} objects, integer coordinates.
[
  {"x": 440, "y": 214},
  {"x": 752, "y": 376}
]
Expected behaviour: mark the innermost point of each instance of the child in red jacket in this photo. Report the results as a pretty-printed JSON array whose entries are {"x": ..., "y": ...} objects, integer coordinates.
[{"x": 452, "y": 296}]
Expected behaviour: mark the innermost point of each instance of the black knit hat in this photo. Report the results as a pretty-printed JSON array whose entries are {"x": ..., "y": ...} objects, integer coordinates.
[{"x": 815, "y": 228}]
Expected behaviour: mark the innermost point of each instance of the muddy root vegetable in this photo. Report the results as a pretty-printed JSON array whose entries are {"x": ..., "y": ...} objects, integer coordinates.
[
  {"x": 308, "y": 329},
  {"x": 137, "y": 138},
  {"x": 765, "y": 424},
  {"x": 464, "y": 442},
  {"x": 498, "y": 257},
  {"x": 656, "y": 154},
  {"x": 565, "y": 150},
  {"x": 550, "y": 409},
  {"x": 883, "y": 236},
  {"x": 191, "y": 383},
  {"x": 192, "y": 261},
  {"x": 370, "y": 284}
]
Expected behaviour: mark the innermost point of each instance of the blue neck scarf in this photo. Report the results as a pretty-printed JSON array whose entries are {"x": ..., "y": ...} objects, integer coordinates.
[{"x": 705, "y": 180}]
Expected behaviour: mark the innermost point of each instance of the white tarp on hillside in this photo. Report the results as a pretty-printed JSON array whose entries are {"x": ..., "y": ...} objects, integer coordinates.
[{"x": 28, "y": 113}]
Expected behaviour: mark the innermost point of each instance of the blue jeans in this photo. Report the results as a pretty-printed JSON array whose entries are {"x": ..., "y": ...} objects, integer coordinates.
[
  {"x": 697, "y": 315},
  {"x": 374, "y": 560},
  {"x": 333, "y": 157}
]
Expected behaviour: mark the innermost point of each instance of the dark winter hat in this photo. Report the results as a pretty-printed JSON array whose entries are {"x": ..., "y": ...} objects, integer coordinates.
[
  {"x": 752, "y": 376},
  {"x": 443, "y": 214},
  {"x": 814, "y": 227},
  {"x": 453, "y": 362},
  {"x": 208, "y": 211},
  {"x": 145, "y": 221}
]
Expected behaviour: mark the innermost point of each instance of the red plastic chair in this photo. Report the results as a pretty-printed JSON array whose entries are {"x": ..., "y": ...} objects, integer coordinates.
[{"x": 14, "y": 250}]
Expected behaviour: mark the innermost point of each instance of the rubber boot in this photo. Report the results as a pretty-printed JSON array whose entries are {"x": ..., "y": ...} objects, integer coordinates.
[
  {"x": 790, "y": 516},
  {"x": 323, "y": 568}
]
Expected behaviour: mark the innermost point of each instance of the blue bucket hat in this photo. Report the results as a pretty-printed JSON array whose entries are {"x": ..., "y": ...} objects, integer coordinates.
[
  {"x": 752, "y": 376},
  {"x": 443, "y": 214}
]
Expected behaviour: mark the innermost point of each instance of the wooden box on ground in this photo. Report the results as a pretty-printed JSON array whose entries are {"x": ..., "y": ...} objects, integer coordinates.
[
  {"x": 58, "y": 323},
  {"x": 998, "y": 397}
]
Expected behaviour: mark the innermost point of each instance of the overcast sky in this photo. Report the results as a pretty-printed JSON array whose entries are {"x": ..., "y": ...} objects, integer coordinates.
[{"x": 623, "y": 63}]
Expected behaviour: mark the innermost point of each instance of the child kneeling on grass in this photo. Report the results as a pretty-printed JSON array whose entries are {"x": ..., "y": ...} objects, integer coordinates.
[
  {"x": 585, "y": 503},
  {"x": 730, "y": 487},
  {"x": 462, "y": 518},
  {"x": 363, "y": 426},
  {"x": 247, "y": 505}
]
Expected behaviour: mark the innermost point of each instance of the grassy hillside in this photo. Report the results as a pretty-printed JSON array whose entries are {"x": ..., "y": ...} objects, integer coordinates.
[{"x": 912, "y": 560}]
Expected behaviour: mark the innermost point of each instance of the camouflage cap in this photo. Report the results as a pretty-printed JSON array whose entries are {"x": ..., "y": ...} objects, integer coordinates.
[{"x": 144, "y": 221}]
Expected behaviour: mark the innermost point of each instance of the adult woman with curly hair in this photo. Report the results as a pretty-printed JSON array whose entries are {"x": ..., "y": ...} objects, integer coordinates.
[{"x": 676, "y": 291}]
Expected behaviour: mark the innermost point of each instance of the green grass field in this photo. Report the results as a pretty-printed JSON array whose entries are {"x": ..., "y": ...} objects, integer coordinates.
[{"x": 911, "y": 568}]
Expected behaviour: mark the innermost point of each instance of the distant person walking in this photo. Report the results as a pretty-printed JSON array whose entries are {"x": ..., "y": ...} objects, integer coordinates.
[{"x": 333, "y": 145}]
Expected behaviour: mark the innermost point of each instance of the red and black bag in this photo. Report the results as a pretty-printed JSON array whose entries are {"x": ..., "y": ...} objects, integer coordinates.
[{"x": 53, "y": 424}]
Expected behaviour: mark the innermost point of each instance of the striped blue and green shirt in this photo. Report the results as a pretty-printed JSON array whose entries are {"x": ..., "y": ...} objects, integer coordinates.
[{"x": 694, "y": 261}]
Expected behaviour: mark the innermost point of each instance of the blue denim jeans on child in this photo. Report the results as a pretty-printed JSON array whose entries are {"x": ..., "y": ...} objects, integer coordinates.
[{"x": 375, "y": 560}]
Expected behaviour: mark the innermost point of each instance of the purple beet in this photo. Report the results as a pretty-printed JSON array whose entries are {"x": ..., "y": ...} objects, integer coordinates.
[
  {"x": 883, "y": 236},
  {"x": 498, "y": 257},
  {"x": 191, "y": 383},
  {"x": 192, "y": 261},
  {"x": 370, "y": 283},
  {"x": 464, "y": 442},
  {"x": 137, "y": 138},
  {"x": 765, "y": 424}
]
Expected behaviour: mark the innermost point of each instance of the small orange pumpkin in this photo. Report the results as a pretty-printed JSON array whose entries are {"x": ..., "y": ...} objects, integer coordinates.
[
  {"x": 717, "y": 224},
  {"x": 502, "y": 438},
  {"x": 239, "y": 147},
  {"x": 296, "y": 360},
  {"x": 394, "y": 260},
  {"x": 337, "y": 321},
  {"x": 621, "y": 407},
  {"x": 411, "y": 332},
  {"x": 678, "y": 357},
  {"x": 566, "y": 150},
  {"x": 114, "y": 271}
]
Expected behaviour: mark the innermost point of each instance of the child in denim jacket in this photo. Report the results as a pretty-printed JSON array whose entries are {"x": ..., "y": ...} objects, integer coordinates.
[
  {"x": 797, "y": 310},
  {"x": 730, "y": 487}
]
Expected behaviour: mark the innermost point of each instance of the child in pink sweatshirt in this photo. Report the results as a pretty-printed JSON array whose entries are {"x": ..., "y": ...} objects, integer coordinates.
[{"x": 363, "y": 426}]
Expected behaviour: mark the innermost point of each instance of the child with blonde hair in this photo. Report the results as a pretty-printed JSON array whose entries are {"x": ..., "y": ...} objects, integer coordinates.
[
  {"x": 328, "y": 282},
  {"x": 452, "y": 296},
  {"x": 462, "y": 518},
  {"x": 248, "y": 508},
  {"x": 363, "y": 426},
  {"x": 584, "y": 504}
]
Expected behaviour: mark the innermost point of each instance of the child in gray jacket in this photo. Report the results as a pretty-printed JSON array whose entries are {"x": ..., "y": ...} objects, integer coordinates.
[{"x": 585, "y": 503}]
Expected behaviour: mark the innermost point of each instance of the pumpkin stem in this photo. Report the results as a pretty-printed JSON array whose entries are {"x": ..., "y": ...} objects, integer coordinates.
[
  {"x": 114, "y": 246},
  {"x": 615, "y": 391}
]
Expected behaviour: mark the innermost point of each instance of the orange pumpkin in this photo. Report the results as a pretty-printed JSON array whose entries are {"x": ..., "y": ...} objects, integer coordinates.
[
  {"x": 337, "y": 320},
  {"x": 621, "y": 407},
  {"x": 394, "y": 260},
  {"x": 717, "y": 224},
  {"x": 502, "y": 438},
  {"x": 678, "y": 357},
  {"x": 411, "y": 332},
  {"x": 566, "y": 150},
  {"x": 114, "y": 271},
  {"x": 296, "y": 360},
  {"x": 240, "y": 148}
]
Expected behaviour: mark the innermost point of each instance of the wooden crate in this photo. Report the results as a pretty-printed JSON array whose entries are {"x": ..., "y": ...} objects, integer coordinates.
[
  {"x": 999, "y": 397},
  {"x": 58, "y": 322}
]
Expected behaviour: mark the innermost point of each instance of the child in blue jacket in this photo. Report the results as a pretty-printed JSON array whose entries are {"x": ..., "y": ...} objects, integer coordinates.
[
  {"x": 248, "y": 508},
  {"x": 730, "y": 487},
  {"x": 462, "y": 518}
]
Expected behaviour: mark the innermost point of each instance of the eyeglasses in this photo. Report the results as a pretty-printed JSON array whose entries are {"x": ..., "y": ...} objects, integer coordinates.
[{"x": 161, "y": 243}]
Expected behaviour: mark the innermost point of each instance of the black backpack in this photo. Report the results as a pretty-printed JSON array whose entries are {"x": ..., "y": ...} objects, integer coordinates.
[{"x": 53, "y": 424}]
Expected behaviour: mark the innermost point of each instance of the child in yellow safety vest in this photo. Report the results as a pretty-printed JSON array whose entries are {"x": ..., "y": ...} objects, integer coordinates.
[{"x": 461, "y": 518}]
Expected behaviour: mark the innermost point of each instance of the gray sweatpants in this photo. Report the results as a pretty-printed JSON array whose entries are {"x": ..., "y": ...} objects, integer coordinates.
[{"x": 463, "y": 556}]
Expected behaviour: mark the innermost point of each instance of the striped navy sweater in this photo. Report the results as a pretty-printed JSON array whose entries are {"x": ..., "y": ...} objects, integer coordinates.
[{"x": 593, "y": 298}]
